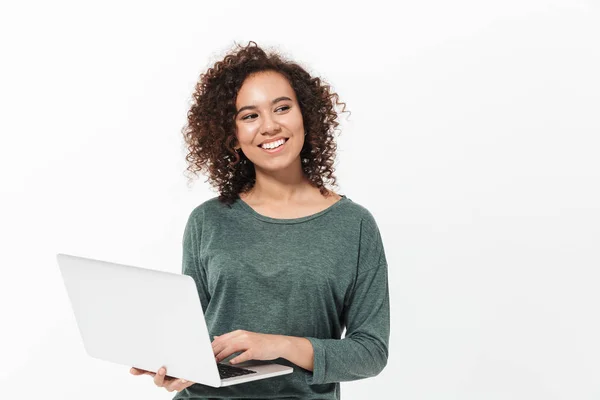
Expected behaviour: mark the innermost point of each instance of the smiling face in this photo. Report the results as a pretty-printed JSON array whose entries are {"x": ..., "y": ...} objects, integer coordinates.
[{"x": 267, "y": 109}]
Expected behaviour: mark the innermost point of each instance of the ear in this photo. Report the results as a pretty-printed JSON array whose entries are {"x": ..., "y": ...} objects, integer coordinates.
[{"x": 236, "y": 144}]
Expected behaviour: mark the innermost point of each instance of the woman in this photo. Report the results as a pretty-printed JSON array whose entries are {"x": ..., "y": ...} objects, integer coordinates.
[{"x": 281, "y": 263}]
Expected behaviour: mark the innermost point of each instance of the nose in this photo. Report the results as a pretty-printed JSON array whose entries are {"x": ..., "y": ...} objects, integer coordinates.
[{"x": 270, "y": 125}]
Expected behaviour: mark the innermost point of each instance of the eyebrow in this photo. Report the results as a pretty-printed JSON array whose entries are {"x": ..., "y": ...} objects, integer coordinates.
[{"x": 254, "y": 107}]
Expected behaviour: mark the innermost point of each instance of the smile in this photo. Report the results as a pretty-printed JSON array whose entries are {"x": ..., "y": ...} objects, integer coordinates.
[{"x": 276, "y": 149}]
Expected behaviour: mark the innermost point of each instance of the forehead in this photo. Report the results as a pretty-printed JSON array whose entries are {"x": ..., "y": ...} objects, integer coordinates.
[{"x": 262, "y": 87}]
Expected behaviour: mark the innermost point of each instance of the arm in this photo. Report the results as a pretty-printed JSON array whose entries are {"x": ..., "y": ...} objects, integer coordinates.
[
  {"x": 363, "y": 352},
  {"x": 190, "y": 259},
  {"x": 298, "y": 350}
]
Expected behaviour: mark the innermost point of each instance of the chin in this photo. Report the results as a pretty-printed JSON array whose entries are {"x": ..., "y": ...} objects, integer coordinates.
[{"x": 277, "y": 165}]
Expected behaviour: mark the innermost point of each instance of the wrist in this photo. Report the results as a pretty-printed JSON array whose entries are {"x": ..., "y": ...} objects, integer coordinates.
[
  {"x": 297, "y": 350},
  {"x": 284, "y": 346}
]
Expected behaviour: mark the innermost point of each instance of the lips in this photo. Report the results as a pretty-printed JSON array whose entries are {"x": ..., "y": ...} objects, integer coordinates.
[
  {"x": 273, "y": 140},
  {"x": 276, "y": 149}
]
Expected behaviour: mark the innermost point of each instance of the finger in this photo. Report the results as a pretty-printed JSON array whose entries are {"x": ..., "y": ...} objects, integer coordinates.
[
  {"x": 213, "y": 342},
  {"x": 218, "y": 348},
  {"x": 179, "y": 385},
  {"x": 171, "y": 384},
  {"x": 227, "y": 336},
  {"x": 230, "y": 346},
  {"x": 245, "y": 356},
  {"x": 159, "y": 378},
  {"x": 229, "y": 350},
  {"x": 221, "y": 341},
  {"x": 137, "y": 371},
  {"x": 188, "y": 384}
]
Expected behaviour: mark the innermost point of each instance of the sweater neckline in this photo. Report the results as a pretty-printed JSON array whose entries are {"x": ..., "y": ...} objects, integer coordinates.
[{"x": 246, "y": 207}]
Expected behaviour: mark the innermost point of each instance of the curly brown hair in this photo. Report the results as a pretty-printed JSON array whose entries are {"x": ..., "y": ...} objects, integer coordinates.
[{"x": 210, "y": 130}]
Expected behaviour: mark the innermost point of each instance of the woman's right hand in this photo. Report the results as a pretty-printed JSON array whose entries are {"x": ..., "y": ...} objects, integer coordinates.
[{"x": 162, "y": 380}]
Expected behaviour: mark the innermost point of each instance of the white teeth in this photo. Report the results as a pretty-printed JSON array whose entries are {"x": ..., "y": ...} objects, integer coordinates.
[{"x": 273, "y": 145}]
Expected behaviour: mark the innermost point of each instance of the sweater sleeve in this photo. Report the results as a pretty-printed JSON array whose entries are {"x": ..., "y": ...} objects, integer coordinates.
[
  {"x": 191, "y": 264},
  {"x": 363, "y": 352}
]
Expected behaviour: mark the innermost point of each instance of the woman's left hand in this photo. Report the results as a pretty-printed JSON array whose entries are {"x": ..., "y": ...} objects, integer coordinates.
[{"x": 257, "y": 346}]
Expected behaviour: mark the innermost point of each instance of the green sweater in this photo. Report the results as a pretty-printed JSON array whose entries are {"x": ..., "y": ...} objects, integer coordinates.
[{"x": 310, "y": 277}]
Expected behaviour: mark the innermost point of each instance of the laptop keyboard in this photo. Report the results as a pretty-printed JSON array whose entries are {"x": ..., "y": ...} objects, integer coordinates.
[{"x": 229, "y": 371}]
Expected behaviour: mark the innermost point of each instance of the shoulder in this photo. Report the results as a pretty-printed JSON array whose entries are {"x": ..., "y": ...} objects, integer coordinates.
[
  {"x": 371, "y": 248},
  {"x": 210, "y": 207},
  {"x": 361, "y": 214}
]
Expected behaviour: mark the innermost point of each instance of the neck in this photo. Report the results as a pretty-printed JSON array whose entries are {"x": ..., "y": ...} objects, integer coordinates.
[{"x": 283, "y": 186}]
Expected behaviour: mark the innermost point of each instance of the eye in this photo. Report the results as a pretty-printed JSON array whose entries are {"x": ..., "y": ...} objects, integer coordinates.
[
  {"x": 283, "y": 108},
  {"x": 249, "y": 115}
]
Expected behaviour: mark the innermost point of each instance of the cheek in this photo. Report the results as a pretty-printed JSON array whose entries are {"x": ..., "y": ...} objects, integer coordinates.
[
  {"x": 245, "y": 133},
  {"x": 296, "y": 121}
]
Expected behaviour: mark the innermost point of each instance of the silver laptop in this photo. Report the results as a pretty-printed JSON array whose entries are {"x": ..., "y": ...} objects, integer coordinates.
[{"x": 147, "y": 319}]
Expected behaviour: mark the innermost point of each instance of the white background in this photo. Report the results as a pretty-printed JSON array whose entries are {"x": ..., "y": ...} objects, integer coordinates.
[{"x": 474, "y": 141}]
